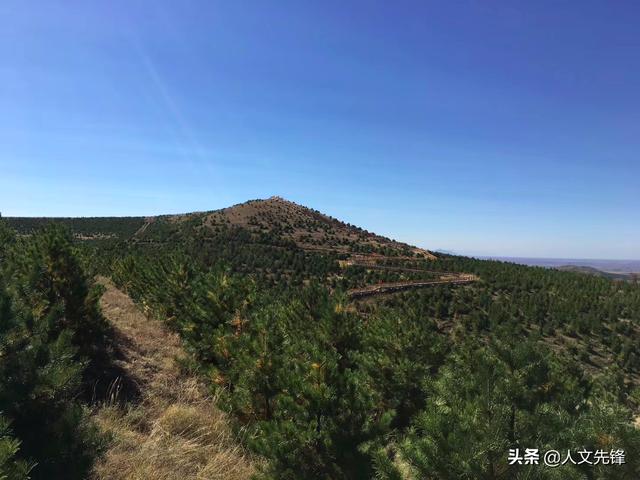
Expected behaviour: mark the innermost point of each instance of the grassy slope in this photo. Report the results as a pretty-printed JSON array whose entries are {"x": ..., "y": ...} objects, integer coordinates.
[{"x": 174, "y": 430}]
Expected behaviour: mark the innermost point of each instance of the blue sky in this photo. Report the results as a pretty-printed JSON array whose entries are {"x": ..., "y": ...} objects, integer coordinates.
[{"x": 485, "y": 128}]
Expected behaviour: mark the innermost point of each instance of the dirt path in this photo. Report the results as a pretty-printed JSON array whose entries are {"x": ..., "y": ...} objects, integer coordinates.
[
  {"x": 148, "y": 221},
  {"x": 392, "y": 287},
  {"x": 173, "y": 429},
  {"x": 149, "y": 349}
]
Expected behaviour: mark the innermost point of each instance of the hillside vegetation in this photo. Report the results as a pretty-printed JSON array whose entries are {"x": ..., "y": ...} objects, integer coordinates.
[
  {"x": 51, "y": 343},
  {"x": 173, "y": 429},
  {"x": 432, "y": 382},
  {"x": 631, "y": 277}
]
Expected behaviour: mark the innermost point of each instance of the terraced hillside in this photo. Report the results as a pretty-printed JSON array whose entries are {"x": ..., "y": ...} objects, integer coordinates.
[
  {"x": 278, "y": 219},
  {"x": 275, "y": 240}
]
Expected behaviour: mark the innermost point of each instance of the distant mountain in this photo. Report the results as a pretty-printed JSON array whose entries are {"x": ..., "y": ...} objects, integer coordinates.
[
  {"x": 594, "y": 271},
  {"x": 603, "y": 265},
  {"x": 445, "y": 251}
]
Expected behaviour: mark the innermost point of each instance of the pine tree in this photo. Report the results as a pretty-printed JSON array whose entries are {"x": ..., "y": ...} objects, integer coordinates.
[{"x": 41, "y": 369}]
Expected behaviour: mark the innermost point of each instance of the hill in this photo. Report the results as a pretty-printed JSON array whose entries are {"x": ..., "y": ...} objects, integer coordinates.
[
  {"x": 282, "y": 222},
  {"x": 274, "y": 218},
  {"x": 600, "y": 273},
  {"x": 274, "y": 240}
]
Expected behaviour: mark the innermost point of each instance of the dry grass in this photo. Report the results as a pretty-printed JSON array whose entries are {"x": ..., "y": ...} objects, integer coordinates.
[
  {"x": 310, "y": 230},
  {"x": 175, "y": 430}
]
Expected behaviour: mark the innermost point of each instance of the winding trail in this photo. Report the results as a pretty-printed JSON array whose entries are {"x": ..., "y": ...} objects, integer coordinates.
[
  {"x": 391, "y": 287},
  {"x": 370, "y": 262}
]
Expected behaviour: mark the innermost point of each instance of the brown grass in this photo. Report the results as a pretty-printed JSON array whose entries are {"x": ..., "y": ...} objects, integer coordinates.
[
  {"x": 174, "y": 431},
  {"x": 309, "y": 229}
]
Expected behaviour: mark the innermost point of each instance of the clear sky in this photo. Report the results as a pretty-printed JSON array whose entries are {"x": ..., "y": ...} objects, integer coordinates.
[{"x": 486, "y": 128}]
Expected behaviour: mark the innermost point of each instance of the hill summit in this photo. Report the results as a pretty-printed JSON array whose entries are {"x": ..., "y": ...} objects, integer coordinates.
[{"x": 280, "y": 219}]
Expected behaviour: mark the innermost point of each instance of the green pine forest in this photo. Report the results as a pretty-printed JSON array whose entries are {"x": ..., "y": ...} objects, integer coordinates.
[{"x": 428, "y": 383}]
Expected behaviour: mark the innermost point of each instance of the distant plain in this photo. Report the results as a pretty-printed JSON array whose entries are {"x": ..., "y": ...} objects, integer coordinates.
[{"x": 611, "y": 266}]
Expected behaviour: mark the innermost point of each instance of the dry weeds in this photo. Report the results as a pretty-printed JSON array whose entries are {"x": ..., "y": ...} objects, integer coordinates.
[{"x": 174, "y": 431}]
